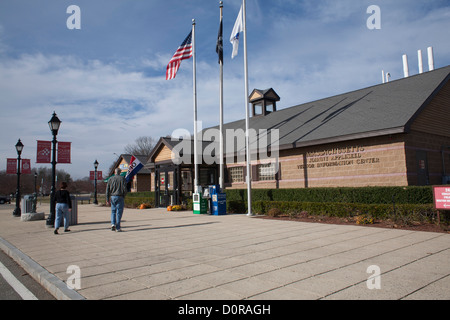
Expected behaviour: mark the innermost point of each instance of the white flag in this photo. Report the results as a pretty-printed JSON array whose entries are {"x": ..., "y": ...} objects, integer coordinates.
[{"x": 234, "y": 39}]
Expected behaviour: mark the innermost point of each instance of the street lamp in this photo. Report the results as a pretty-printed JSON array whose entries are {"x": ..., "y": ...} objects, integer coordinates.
[
  {"x": 54, "y": 124},
  {"x": 95, "y": 181},
  {"x": 35, "y": 195},
  {"x": 35, "y": 183},
  {"x": 19, "y": 147}
]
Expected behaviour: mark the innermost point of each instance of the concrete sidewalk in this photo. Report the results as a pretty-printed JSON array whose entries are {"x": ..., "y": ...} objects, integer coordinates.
[{"x": 178, "y": 255}]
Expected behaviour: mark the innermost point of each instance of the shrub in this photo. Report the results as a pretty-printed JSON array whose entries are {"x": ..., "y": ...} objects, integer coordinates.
[
  {"x": 367, "y": 195},
  {"x": 403, "y": 212},
  {"x": 274, "y": 212},
  {"x": 236, "y": 206}
]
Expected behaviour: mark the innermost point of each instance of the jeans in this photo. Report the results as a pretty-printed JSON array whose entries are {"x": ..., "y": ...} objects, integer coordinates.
[
  {"x": 117, "y": 204},
  {"x": 62, "y": 211}
]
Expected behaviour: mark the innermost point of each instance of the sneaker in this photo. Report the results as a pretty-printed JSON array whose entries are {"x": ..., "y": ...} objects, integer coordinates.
[
  {"x": 56, "y": 231},
  {"x": 66, "y": 230},
  {"x": 113, "y": 228},
  {"x": 119, "y": 230}
]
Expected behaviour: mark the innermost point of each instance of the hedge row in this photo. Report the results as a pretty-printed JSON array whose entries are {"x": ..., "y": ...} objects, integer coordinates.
[
  {"x": 135, "y": 199},
  {"x": 404, "y": 212},
  {"x": 367, "y": 195}
]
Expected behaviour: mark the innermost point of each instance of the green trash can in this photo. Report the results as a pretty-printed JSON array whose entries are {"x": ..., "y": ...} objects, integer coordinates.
[{"x": 200, "y": 205}]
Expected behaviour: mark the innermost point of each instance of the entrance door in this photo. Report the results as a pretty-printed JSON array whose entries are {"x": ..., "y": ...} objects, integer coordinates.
[
  {"x": 422, "y": 168},
  {"x": 167, "y": 190}
]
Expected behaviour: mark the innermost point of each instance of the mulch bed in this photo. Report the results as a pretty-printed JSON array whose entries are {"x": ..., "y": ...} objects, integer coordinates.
[{"x": 428, "y": 227}]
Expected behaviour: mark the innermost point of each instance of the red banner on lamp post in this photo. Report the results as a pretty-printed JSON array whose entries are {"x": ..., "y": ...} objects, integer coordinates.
[
  {"x": 92, "y": 175},
  {"x": 64, "y": 152},
  {"x": 26, "y": 166},
  {"x": 44, "y": 151},
  {"x": 11, "y": 166}
]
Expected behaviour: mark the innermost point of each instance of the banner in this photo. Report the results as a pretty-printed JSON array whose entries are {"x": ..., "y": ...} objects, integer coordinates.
[
  {"x": 63, "y": 152},
  {"x": 135, "y": 166},
  {"x": 11, "y": 166},
  {"x": 44, "y": 151},
  {"x": 26, "y": 166},
  {"x": 92, "y": 175}
]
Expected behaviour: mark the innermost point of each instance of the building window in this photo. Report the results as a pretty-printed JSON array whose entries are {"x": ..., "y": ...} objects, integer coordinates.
[
  {"x": 236, "y": 174},
  {"x": 258, "y": 109},
  {"x": 266, "y": 171}
]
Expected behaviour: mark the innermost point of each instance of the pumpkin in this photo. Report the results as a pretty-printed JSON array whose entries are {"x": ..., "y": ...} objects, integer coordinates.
[{"x": 169, "y": 208}]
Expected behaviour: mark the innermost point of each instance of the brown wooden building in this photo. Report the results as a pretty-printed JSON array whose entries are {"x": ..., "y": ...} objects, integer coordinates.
[
  {"x": 142, "y": 181},
  {"x": 392, "y": 134}
]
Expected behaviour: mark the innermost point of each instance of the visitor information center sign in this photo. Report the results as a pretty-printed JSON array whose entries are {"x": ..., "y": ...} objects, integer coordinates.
[{"x": 441, "y": 196}]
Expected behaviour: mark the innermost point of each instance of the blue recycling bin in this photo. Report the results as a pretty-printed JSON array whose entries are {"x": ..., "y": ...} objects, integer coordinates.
[
  {"x": 215, "y": 188},
  {"x": 218, "y": 201}
]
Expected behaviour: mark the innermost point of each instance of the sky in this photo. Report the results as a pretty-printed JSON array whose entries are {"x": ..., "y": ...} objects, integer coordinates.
[{"x": 106, "y": 80}]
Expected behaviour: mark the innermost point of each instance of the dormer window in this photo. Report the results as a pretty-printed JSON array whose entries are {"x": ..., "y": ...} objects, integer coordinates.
[{"x": 263, "y": 102}]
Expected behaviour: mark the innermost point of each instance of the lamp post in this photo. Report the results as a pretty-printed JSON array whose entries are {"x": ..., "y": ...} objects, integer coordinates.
[
  {"x": 35, "y": 183},
  {"x": 54, "y": 124},
  {"x": 35, "y": 195},
  {"x": 95, "y": 181},
  {"x": 17, "y": 212}
]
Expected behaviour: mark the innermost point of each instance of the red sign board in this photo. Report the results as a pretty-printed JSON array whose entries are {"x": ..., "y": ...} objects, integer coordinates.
[
  {"x": 26, "y": 166},
  {"x": 63, "y": 152},
  {"x": 92, "y": 175},
  {"x": 441, "y": 196},
  {"x": 44, "y": 151},
  {"x": 11, "y": 166}
]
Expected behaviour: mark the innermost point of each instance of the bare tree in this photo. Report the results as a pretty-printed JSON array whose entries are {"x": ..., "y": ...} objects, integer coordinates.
[
  {"x": 8, "y": 182},
  {"x": 142, "y": 146}
]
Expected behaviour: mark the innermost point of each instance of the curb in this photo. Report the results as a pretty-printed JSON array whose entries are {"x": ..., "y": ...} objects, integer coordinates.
[{"x": 50, "y": 282}]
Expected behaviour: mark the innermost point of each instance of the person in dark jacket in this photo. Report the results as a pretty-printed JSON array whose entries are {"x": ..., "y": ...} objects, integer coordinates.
[{"x": 63, "y": 207}]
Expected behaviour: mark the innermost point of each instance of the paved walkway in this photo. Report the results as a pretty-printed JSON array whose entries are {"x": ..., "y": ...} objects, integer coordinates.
[{"x": 178, "y": 255}]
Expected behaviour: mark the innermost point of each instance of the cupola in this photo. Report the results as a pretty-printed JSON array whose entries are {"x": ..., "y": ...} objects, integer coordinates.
[{"x": 263, "y": 102}]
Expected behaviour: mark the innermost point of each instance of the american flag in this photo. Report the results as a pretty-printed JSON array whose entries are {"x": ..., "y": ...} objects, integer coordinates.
[{"x": 184, "y": 52}]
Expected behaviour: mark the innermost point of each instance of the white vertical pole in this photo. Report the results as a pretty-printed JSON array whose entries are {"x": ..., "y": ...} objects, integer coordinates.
[
  {"x": 195, "y": 107},
  {"x": 419, "y": 57},
  {"x": 405, "y": 66},
  {"x": 430, "y": 59},
  {"x": 247, "y": 131},
  {"x": 221, "y": 180}
]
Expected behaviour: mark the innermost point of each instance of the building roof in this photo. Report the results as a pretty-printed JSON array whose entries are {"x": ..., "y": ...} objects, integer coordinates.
[
  {"x": 383, "y": 109},
  {"x": 378, "y": 110}
]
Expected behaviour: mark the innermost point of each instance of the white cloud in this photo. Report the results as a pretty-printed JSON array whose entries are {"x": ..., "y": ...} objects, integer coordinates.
[{"x": 102, "y": 108}]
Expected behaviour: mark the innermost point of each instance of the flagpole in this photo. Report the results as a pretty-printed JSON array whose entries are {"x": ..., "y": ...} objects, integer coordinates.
[
  {"x": 221, "y": 110},
  {"x": 247, "y": 132},
  {"x": 195, "y": 108}
]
